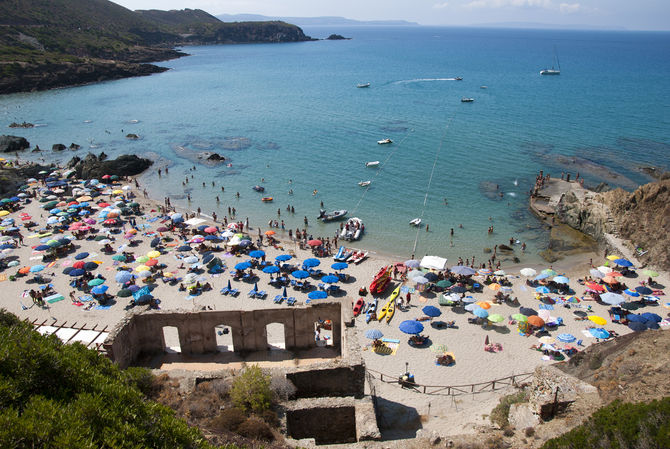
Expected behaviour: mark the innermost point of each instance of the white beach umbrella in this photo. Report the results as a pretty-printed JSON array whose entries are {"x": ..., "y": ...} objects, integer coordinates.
[
  {"x": 528, "y": 272},
  {"x": 604, "y": 269},
  {"x": 414, "y": 273}
]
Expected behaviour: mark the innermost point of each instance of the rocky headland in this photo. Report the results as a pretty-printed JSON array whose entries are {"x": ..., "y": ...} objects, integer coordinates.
[{"x": 93, "y": 166}]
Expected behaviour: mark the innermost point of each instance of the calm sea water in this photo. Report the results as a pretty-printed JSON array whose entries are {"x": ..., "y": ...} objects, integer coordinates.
[{"x": 291, "y": 114}]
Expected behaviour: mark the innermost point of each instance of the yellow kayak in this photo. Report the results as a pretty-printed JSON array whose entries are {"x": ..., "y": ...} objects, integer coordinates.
[
  {"x": 390, "y": 311},
  {"x": 395, "y": 293}
]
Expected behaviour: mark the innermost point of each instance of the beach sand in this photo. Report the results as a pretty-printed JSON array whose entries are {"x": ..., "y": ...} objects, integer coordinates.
[{"x": 445, "y": 414}]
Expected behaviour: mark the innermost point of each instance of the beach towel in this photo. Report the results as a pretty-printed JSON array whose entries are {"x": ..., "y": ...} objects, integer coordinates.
[
  {"x": 3, "y": 277},
  {"x": 51, "y": 264},
  {"x": 78, "y": 304},
  {"x": 86, "y": 298},
  {"x": 54, "y": 298},
  {"x": 390, "y": 340},
  {"x": 151, "y": 220},
  {"x": 100, "y": 307}
]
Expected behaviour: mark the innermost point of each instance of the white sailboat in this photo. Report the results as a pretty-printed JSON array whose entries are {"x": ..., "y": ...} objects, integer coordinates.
[{"x": 553, "y": 70}]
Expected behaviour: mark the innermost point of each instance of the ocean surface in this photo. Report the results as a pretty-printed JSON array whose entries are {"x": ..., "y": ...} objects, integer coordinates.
[{"x": 289, "y": 117}]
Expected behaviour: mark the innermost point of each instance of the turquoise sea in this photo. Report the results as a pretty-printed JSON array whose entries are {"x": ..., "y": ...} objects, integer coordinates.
[{"x": 292, "y": 112}]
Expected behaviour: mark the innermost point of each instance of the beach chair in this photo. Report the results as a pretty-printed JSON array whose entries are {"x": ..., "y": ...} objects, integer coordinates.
[
  {"x": 252, "y": 293},
  {"x": 262, "y": 294},
  {"x": 225, "y": 290},
  {"x": 278, "y": 299},
  {"x": 290, "y": 301},
  {"x": 322, "y": 286},
  {"x": 234, "y": 292}
]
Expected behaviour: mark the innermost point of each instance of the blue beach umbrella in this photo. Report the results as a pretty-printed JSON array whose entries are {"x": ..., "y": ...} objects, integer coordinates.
[
  {"x": 566, "y": 338},
  {"x": 649, "y": 316},
  {"x": 373, "y": 334},
  {"x": 623, "y": 262},
  {"x": 411, "y": 327},
  {"x": 641, "y": 289},
  {"x": 330, "y": 279},
  {"x": 300, "y": 274},
  {"x": 431, "y": 311},
  {"x": 339, "y": 266},
  {"x": 242, "y": 266},
  {"x": 637, "y": 326},
  {"x": 207, "y": 257},
  {"x": 635, "y": 318},
  {"x": 77, "y": 272},
  {"x": 36, "y": 268},
  {"x": 99, "y": 290},
  {"x": 212, "y": 237},
  {"x": 599, "y": 332},
  {"x": 270, "y": 269},
  {"x": 42, "y": 247},
  {"x": 630, "y": 292},
  {"x": 123, "y": 276},
  {"x": 561, "y": 279},
  {"x": 541, "y": 276},
  {"x": 7, "y": 246},
  {"x": 481, "y": 313},
  {"x": 81, "y": 256},
  {"x": 412, "y": 263},
  {"x": 542, "y": 289},
  {"x": 311, "y": 263},
  {"x": 184, "y": 248},
  {"x": 317, "y": 294},
  {"x": 283, "y": 257},
  {"x": 257, "y": 254},
  {"x": 462, "y": 270}
]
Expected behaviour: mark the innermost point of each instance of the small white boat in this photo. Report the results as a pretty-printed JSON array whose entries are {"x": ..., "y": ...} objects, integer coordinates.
[
  {"x": 353, "y": 229},
  {"x": 467, "y": 100},
  {"x": 552, "y": 70},
  {"x": 384, "y": 141},
  {"x": 364, "y": 183},
  {"x": 372, "y": 164},
  {"x": 362, "y": 85},
  {"x": 458, "y": 78},
  {"x": 483, "y": 87},
  {"x": 415, "y": 222},
  {"x": 330, "y": 216}
]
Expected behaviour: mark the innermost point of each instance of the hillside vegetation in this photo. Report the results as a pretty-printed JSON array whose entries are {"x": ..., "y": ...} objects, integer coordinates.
[{"x": 55, "y": 43}]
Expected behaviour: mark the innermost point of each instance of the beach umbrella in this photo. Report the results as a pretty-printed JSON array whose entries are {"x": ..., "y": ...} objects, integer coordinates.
[
  {"x": 527, "y": 272},
  {"x": 431, "y": 311},
  {"x": 317, "y": 294},
  {"x": 612, "y": 298},
  {"x": 649, "y": 316},
  {"x": 499, "y": 273},
  {"x": 635, "y": 317},
  {"x": 119, "y": 257},
  {"x": 124, "y": 293},
  {"x": 420, "y": 280},
  {"x": 496, "y": 318},
  {"x": 24, "y": 270},
  {"x": 484, "y": 304},
  {"x": 463, "y": 270},
  {"x": 566, "y": 338},
  {"x": 300, "y": 274},
  {"x": 495, "y": 286},
  {"x": 123, "y": 276},
  {"x": 189, "y": 259},
  {"x": 283, "y": 257},
  {"x": 542, "y": 289},
  {"x": 432, "y": 277},
  {"x": 143, "y": 259},
  {"x": 242, "y": 266},
  {"x": 13, "y": 263},
  {"x": 481, "y": 313},
  {"x": 595, "y": 287},
  {"x": 184, "y": 248},
  {"x": 600, "y": 321},
  {"x": 141, "y": 268},
  {"x": 330, "y": 279},
  {"x": 212, "y": 237},
  {"x": 541, "y": 276},
  {"x": 339, "y": 266},
  {"x": 244, "y": 243},
  {"x": 311, "y": 263},
  {"x": 650, "y": 273},
  {"x": 373, "y": 334},
  {"x": 270, "y": 269},
  {"x": 153, "y": 254},
  {"x": 257, "y": 254},
  {"x": 99, "y": 290},
  {"x": 133, "y": 288},
  {"x": 315, "y": 242},
  {"x": 603, "y": 269},
  {"x": 547, "y": 340},
  {"x": 197, "y": 240},
  {"x": 210, "y": 230},
  {"x": 206, "y": 257},
  {"x": 414, "y": 273},
  {"x": 81, "y": 256},
  {"x": 623, "y": 262},
  {"x": 444, "y": 283},
  {"x": 632, "y": 293},
  {"x": 77, "y": 272},
  {"x": 471, "y": 307},
  {"x": 162, "y": 229},
  {"x": 637, "y": 326},
  {"x": 156, "y": 241},
  {"x": 90, "y": 266},
  {"x": 549, "y": 271},
  {"x": 96, "y": 281},
  {"x": 412, "y": 263},
  {"x": 411, "y": 327},
  {"x": 561, "y": 279},
  {"x": 535, "y": 320},
  {"x": 271, "y": 232},
  {"x": 151, "y": 263},
  {"x": 599, "y": 332},
  {"x": 36, "y": 268},
  {"x": 614, "y": 274},
  {"x": 520, "y": 317},
  {"x": 644, "y": 290},
  {"x": 596, "y": 273},
  {"x": 458, "y": 289},
  {"x": 484, "y": 271}
]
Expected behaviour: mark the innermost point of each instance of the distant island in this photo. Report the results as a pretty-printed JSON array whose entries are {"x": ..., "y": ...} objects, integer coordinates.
[
  {"x": 59, "y": 43},
  {"x": 314, "y": 21}
]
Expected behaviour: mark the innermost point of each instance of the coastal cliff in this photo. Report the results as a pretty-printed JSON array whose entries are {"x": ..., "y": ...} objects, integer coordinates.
[{"x": 641, "y": 218}]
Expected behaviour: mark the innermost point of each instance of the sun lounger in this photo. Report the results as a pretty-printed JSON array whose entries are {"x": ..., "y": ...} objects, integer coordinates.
[
  {"x": 225, "y": 290},
  {"x": 252, "y": 293},
  {"x": 234, "y": 292},
  {"x": 278, "y": 299},
  {"x": 290, "y": 301},
  {"x": 262, "y": 294}
]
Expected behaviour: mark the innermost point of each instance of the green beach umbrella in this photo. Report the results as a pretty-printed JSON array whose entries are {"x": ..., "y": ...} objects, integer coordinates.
[
  {"x": 100, "y": 237},
  {"x": 496, "y": 318},
  {"x": 650, "y": 273},
  {"x": 124, "y": 293},
  {"x": 119, "y": 257},
  {"x": 52, "y": 242},
  {"x": 520, "y": 317},
  {"x": 142, "y": 259},
  {"x": 96, "y": 281},
  {"x": 444, "y": 283}
]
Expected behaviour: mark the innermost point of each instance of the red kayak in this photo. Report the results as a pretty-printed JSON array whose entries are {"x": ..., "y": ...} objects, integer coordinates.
[
  {"x": 358, "y": 306},
  {"x": 381, "y": 280}
]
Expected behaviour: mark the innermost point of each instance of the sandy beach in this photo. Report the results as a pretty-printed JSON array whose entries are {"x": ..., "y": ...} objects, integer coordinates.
[{"x": 512, "y": 352}]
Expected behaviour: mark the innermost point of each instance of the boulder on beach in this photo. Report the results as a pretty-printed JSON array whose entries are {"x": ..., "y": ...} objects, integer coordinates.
[
  {"x": 58, "y": 147},
  {"x": 93, "y": 166},
  {"x": 11, "y": 144},
  {"x": 74, "y": 146}
]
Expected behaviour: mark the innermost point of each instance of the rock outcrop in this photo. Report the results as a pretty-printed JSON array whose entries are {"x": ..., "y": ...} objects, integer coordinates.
[
  {"x": 58, "y": 147},
  {"x": 11, "y": 144},
  {"x": 93, "y": 166}
]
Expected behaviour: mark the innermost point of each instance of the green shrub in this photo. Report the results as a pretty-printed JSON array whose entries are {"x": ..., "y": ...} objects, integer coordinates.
[
  {"x": 251, "y": 390},
  {"x": 621, "y": 425},
  {"x": 141, "y": 378},
  {"x": 255, "y": 428},
  {"x": 500, "y": 414}
]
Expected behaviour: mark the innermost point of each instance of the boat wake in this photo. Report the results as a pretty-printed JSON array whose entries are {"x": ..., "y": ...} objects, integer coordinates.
[{"x": 424, "y": 80}]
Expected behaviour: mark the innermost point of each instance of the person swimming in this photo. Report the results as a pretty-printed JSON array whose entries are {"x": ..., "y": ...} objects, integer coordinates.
[{"x": 315, "y": 192}]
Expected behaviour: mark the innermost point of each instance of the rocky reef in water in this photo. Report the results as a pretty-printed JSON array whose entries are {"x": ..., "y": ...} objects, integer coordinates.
[
  {"x": 93, "y": 166},
  {"x": 12, "y": 144}
]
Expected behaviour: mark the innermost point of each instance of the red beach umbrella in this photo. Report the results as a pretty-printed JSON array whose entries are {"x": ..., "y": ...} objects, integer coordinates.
[
  {"x": 315, "y": 242},
  {"x": 536, "y": 321},
  {"x": 78, "y": 264},
  {"x": 103, "y": 204},
  {"x": 210, "y": 230},
  {"x": 151, "y": 262}
]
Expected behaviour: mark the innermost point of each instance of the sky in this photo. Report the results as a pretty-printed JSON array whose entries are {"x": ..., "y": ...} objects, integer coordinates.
[{"x": 612, "y": 14}]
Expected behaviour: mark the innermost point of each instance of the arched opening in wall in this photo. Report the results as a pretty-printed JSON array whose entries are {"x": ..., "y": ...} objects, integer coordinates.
[
  {"x": 171, "y": 343},
  {"x": 323, "y": 332},
  {"x": 224, "y": 338},
  {"x": 276, "y": 336}
]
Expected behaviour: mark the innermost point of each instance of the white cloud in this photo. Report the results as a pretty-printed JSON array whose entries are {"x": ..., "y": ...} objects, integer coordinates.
[
  {"x": 509, "y": 3},
  {"x": 569, "y": 8},
  {"x": 440, "y": 5}
]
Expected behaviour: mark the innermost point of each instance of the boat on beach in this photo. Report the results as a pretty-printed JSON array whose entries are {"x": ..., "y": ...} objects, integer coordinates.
[
  {"x": 415, "y": 222},
  {"x": 331, "y": 216},
  {"x": 358, "y": 307},
  {"x": 467, "y": 100},
  {"x": 353, "y": 229},
  {"x": 384, "y": 141},
  {"x": 371, "y": 311},
  {"x": 372, "y": 164},
  {"x": 358, "y": 257},
  {"x": 364, "y": 183},
  {"x": 362, "y": 85}
]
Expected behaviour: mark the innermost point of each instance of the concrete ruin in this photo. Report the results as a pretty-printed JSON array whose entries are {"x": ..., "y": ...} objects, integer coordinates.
[{"x": 330, "y": 392}]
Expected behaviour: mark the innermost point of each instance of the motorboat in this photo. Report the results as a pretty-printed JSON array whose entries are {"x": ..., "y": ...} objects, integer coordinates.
[
  {"x": 415, "y": 222},
  {"x": 331, "y": 216},
  {"x": 483, "y": 87},
  {"x": 372, "y": 164},
  {"x": 467, "y": 100},
  {"x": 458, "y": 78},
  {"x": 259, "y": 188},
  {"x": 267, "y": 199},
  {"x": 353, "y": 229},
  {"x": 364, "y": 183},
  {"x": 384, "y": 141},
  {"x": 362, "y": 85}
]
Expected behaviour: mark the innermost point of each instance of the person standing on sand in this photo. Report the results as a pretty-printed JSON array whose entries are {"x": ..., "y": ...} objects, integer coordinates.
[{"x": 408, "y": 297}]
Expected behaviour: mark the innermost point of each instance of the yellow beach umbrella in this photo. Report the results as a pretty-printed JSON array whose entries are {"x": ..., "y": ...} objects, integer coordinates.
[
  {"x": 494, "y": 286},
  {"x": 3, "y": 213},
  {"x": 117, "y": 192},
  {"x": 153, "y": 254},
  {"x": 547, "y": 340},
  {"x": 141, "y": 268},
  {"x": 84, "y": 198},
  {"x": 600, "y": 321},
  {"x": 613, "y": 257}
]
